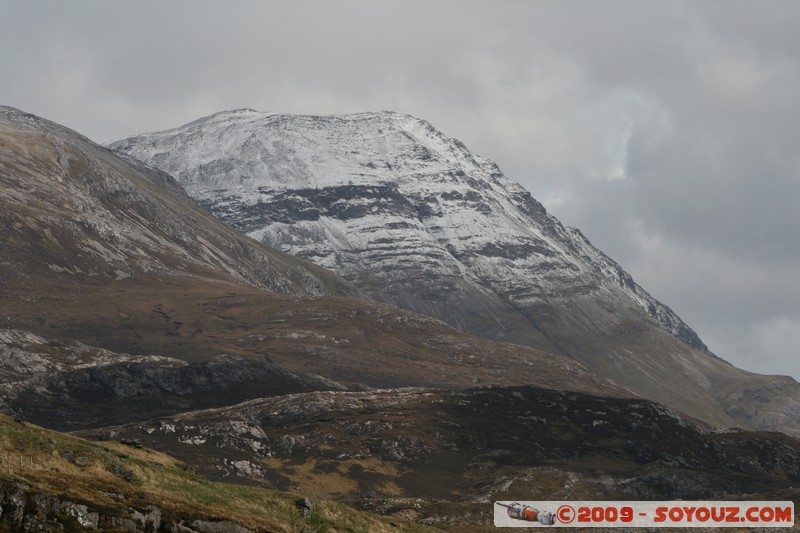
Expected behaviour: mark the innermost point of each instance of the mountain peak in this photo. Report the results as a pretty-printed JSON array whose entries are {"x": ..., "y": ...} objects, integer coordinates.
[
  {"x": 248, "y": 149},
  {"x": 267, "y": 173}
]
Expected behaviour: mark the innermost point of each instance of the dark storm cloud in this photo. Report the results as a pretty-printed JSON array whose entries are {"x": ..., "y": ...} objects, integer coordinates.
[{"x": 666, "y": 131}]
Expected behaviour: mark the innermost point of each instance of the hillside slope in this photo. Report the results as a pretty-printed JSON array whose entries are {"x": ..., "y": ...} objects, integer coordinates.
[
  {"x": 70, "y": 206},
  {"x": 442, "y": 457},
  {"x": 58, "y": 482}
]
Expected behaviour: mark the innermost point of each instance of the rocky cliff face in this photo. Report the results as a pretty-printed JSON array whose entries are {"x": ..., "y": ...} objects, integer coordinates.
[
  {"x": 415, "y": 219},
  {"x": 73, "y": 385}
]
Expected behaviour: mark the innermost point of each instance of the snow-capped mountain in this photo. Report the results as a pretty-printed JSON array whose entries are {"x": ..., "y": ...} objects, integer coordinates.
[
  {"x": 385, "y": 200},
  {"x": 414, "y": 219}
]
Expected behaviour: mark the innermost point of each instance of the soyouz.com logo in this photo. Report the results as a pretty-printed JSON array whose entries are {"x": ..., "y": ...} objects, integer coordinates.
[{"x": 643, "y": 514}]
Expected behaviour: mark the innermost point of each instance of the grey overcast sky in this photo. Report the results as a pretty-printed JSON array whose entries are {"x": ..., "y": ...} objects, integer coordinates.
[{"x": 667, "y": 131}]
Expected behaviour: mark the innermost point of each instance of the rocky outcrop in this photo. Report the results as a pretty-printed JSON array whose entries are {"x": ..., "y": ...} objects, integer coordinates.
[
  {"x": 73, "y": 385},
  {"x": 471, "y": 445},
  {"x": 26, "y": 510}
]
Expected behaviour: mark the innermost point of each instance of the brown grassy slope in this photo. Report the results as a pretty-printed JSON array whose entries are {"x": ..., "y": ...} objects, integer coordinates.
[
  {"x": 114, "y": 479},
  {"x": 344, "y": 339}
]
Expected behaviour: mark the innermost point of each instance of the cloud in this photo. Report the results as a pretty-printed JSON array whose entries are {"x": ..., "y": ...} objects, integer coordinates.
[
  {"x": 765, "y": 347},
  {"x": 743, "y": 306}
]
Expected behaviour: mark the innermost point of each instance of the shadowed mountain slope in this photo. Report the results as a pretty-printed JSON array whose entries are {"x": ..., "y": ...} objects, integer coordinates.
[{"x": 70, "y": 206}]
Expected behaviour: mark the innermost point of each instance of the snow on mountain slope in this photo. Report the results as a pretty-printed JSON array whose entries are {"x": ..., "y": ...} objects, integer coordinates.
[
  {"x": 414, "y": 219},
  {"x": 386, "y": 200}
]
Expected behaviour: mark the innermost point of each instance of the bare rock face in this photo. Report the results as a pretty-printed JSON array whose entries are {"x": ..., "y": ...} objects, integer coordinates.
[
  {"x": 71, "y": 386},
  {"x": 26, "y": 510},
  {"x": 413, "y": 218}
]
